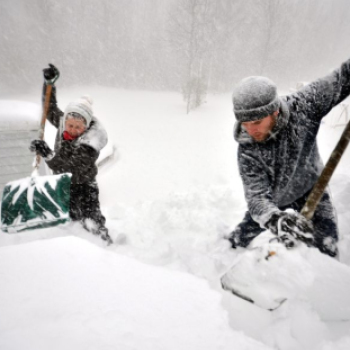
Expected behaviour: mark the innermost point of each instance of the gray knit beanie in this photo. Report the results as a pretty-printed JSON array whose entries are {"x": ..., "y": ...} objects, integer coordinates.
[
  {"x": 83, "y": 107},
  {"x": 255, "y": 98}
]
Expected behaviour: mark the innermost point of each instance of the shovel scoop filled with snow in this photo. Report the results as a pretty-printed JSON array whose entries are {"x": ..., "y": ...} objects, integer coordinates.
[{"x": 35, "y": 202}]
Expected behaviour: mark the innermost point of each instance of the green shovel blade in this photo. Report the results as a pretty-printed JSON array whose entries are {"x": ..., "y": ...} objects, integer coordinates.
[{"x": 35, "y": 202}]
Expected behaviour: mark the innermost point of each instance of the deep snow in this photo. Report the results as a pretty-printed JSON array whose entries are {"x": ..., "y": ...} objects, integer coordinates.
[
  {"x": 174, "y": 192},
  {"x": 79, "y": 296}
]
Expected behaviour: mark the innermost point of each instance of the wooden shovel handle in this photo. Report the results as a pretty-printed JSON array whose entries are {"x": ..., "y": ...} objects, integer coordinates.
[
  {"x": 322, "y": 182},
  {"x": 43, "y": 119}
]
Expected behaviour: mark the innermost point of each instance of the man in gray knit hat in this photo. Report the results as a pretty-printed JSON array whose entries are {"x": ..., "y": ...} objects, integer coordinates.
[{"x": 279, "y": 161}]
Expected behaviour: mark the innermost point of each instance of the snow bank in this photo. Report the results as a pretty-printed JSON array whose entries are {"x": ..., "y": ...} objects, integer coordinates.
[
  {"x": 269, "y": 274},
  {"x": 19, "y": 115},
  {"x": 66, "y": 293}
]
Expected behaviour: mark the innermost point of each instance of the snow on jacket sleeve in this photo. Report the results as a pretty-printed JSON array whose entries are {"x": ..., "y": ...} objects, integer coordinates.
[
  {"x": 256, "y": 183},
  {"x": 54, "y": 113},
  {"x": 325, "y": 93}
]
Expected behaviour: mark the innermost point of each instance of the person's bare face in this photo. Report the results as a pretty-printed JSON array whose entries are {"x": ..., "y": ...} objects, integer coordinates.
[
  {"x": 75, "y": 127},
  {"x": 260, "y": 129}
]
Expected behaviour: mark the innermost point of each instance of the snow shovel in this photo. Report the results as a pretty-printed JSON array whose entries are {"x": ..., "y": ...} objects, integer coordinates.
[
  {"x": 322, "y": 182},
  {"x": 248, "y": 279},
  {"x": 36, "y": 201}
]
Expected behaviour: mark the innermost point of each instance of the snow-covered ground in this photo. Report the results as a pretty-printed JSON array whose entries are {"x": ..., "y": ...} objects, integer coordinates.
[{"x": 174, "y": 192}]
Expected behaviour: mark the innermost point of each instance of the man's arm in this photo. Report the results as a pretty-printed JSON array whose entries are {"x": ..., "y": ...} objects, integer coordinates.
[
  {"x": 290, "y": 227},
  {"x": 257, "y": 187},
  {"x": 319, "y": 97}
]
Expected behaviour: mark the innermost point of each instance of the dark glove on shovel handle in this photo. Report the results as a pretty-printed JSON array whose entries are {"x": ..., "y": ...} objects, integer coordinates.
[
  {"x": 291, "y": 227},
  {"x": 51, "y": 74},
  {"x": 41, "y": 148}
]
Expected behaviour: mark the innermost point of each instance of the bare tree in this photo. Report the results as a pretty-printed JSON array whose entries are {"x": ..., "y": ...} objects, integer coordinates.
[
  {"x": 197, "y": 32},
  {"x": 185, "y": 31},
  {"x": 270, "y": 12}
]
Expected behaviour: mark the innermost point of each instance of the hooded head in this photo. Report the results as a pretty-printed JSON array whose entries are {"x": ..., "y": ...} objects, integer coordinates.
[
  {"x": 83, "y": 107},
  {"x": 255, "y": 98}
]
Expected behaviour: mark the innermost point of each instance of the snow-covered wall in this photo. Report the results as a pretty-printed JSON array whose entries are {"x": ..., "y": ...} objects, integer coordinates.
[
  {"x": 19, "y": 125},
  {"x": 19, "y": 115}
]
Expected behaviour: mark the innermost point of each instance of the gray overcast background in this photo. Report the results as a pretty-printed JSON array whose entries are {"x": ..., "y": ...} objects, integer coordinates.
[{"x": 171, "y": 44}]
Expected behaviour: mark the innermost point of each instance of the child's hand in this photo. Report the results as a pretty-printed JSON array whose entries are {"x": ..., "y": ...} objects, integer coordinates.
[
  {"x": 41, "y": 148},
  {"x": 51, "y": 74}
]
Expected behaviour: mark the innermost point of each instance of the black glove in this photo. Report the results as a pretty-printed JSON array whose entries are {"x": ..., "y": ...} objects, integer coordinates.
[
  {"x": 51, "y": 74},
  {"x": 41, "y": 148},
  {"x": 291, "y": 227}
]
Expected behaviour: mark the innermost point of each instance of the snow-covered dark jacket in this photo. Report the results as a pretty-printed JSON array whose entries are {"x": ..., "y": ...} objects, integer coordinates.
[
  {"x": 79, "y": 156},
  {"x": 284, "y": 167}
]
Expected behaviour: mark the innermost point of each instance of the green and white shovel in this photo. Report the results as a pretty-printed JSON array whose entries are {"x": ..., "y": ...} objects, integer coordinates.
[{"x": 36, "y": 201}]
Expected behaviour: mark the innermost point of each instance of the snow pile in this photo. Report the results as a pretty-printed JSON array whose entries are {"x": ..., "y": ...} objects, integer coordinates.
[
  {"x": 19, "y": 115},
  {"x": 270, "y": 275},
  {"x": 66, "y": 293}
]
